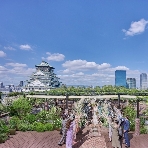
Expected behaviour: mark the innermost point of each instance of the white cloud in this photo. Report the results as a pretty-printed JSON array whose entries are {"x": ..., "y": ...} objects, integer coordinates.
[
  {"x": 25, "y": 47},
  {"x": 2, "y": 54},
  {"x": 16, "y": 65},
  {"x": 136, "y": 28},
  {"x": 54, "y": 57},
  {"x": 3, "y": 69},
  {"x": 84, "y": 65},
  {"x": 15, "y": 72},
  {"x": 121, "y": 68},
  {"x": 80, "y": 78},
  {"x": 97, "y": 74},
  {"x": 9, "y": 48}
]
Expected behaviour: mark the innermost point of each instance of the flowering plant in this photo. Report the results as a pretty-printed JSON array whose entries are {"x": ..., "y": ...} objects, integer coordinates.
[{"x": 57, "y": 123}]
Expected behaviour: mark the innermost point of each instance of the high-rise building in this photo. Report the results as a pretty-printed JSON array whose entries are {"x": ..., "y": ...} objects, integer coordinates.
[
  {"x": 131, "y": 83},
  {"x": 120, "y": 78},
  {"x": 1, "y": 85},
  {"x": 143, "y": 81},
  {"x": 21, "y": 84}
]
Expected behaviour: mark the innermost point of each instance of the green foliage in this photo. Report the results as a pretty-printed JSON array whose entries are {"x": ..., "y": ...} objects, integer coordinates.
[
  {"x": 15, "y": 94},
  {"x": 3, "y": 127},
  {"x": 30, "y": 127},
  {"x": 3, "y": 137},
  {"x": 43, "y": 116},
  {"x": 48, "y": 116},
  {"x": 22, "y": 126},
  {"x": 21, "y": 107},
  {"x": 14, "y": 122},
  {"x": 12, "y": 111},
  {"x": 39, "y": 127},
  {"x": 57, "y": 123},
  {"x": 49, "y": 127},
  {"x": 143, "y": 130},
  {"x": 4, "y": 130},
  {"x": 131, "y": 113},
  {"x": 3, "y": 108},
  {"x": 29, "y": 118}
]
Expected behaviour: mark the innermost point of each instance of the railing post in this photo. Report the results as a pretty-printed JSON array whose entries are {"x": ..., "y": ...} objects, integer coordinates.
[
  {"x": 66, "y": 101},
  {"x": 137, "y": 121},
  {"x": 118, "y": 101},
  {"x": 137, "y": 108}
]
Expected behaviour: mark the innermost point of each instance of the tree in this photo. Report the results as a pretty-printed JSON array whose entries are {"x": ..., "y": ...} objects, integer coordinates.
[{"x": 21, "y": 107}]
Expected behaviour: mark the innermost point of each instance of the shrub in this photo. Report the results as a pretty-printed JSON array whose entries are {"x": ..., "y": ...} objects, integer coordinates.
[
  {"x": 21, "y": 107},
  {"x": 39, "y": 127},
  {"x": 143, "y": 130},
  {"x": 3, "y": 137},
  {"x": 43, "y": 116},
  {"x": 14, "y": 121},
  {"x": 22, "y": 127},
  {"x": 57, "y": 123},
  {"x": 29, "y": 118},
  {"x": 48, "y": 127},
  {"x": 4, "y": 130},
  {"x": 30, "y": 127},
  {"x": 131, "y": 113}
]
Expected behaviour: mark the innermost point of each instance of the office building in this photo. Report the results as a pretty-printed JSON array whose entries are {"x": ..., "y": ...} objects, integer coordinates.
[
  {"x": 120, "y": 78},
  {"x": 143, "y": 81},
  {"x": 131, "y": 83},
  {"x": 21, "y": 84},
  {"x": 1, "y": 85}
]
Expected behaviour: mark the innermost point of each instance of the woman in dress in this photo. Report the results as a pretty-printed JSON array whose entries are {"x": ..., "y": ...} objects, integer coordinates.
[
  {"x": 70, "y": 131},
  {"x": 115, "y": 135},
  {"x": 110, "y": 129}
]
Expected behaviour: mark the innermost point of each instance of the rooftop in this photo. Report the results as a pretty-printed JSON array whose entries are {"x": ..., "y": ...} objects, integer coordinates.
[{"x": 44, "y": 64}]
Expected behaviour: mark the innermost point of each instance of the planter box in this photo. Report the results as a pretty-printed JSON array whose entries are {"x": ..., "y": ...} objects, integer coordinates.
[
  {"x": 2, "y": 141},
  {"x": 12, "y": 131}
]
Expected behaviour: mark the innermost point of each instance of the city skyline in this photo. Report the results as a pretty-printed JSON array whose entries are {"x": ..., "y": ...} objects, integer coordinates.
[{"x": 86, "y": 42}]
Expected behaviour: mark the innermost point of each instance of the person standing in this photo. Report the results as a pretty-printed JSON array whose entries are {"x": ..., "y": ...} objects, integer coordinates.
[
  {"x": 115, "y": 136},
  {"x": 64, "y": 130},
  {"x": 70, "y": 131},
  {"x": 126, "y": 128},
  {"x": 110, "y": 129}
]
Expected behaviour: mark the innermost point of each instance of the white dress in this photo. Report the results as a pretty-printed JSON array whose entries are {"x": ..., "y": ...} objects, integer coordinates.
[{"x": 95, "y": 118}]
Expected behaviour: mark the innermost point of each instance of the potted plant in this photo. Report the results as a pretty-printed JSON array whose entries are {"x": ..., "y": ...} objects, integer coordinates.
[
  {"x": 3, "y": 137},
  {"x": 12, "y": 127},
  {"x": 13, "y": 122}
]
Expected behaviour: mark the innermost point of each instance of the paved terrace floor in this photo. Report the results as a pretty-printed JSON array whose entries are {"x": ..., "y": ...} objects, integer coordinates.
[{"x": 50, "y": 139}]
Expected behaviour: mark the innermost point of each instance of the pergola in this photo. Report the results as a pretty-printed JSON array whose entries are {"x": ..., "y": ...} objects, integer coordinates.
[
  {"x": 95, "y": 96},
  {"x": 118, "y": 96}
]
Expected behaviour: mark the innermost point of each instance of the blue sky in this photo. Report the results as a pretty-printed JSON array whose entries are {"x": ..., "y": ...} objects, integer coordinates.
[{"x": 86, "y": 41}]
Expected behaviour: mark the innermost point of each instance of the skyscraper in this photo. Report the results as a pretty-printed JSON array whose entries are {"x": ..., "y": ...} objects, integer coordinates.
[
  {"x": 143, "y": 81},
  {"x": 120, "y": 78},
  {"x": 1, "y": 85},
  {"x": 131, "y": 83},
  {"x": 21, "y": 84}
]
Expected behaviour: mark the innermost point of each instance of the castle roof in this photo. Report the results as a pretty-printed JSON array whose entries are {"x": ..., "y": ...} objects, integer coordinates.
[{"x": 44, "y": 64}]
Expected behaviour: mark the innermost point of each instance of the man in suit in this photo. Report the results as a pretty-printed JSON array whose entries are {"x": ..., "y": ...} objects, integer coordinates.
[{"x": 126, "y": 128}]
